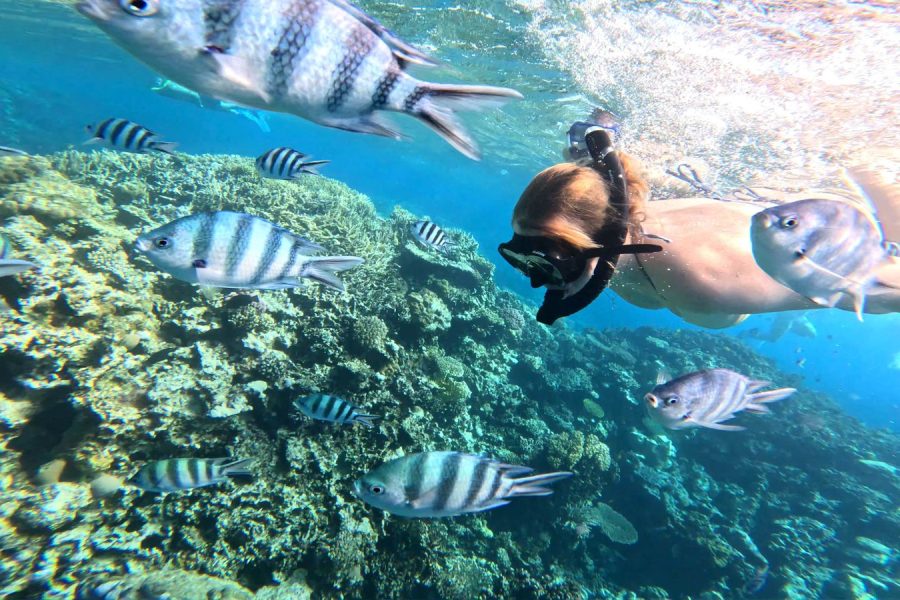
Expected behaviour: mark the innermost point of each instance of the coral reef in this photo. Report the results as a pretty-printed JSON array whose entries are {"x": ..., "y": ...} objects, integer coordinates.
[{"x": 106, "y": 363}]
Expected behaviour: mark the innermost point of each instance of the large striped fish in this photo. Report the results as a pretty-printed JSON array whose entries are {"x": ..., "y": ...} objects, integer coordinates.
[
  {"x": 326, "y": 407},
  {"x": 444, "y": 484},
  {"x": 127, "y": 136},
  {"x": 822, "y": 249},
  {"x": 237, "y": 250},
  {"x": 175, "y": 474},
  {"x": 323, "y": 60},
  {"x": 286, "y": 163},
  {"x": 11, "y": 266},
  {"x": 709, "y": 397}
]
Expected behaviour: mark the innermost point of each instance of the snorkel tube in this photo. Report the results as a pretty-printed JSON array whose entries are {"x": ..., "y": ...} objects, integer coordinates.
[{"x": 610, "y": 237}]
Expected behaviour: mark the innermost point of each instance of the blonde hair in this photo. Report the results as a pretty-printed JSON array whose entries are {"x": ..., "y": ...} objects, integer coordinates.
[{"x": 570, "y": 202}]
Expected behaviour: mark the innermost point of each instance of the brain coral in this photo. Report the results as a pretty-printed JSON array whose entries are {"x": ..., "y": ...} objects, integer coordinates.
[{"x": 614, "y": 525}]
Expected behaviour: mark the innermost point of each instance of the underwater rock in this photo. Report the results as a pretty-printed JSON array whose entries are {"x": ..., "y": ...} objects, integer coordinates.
[{"x": 163, "y": 584}]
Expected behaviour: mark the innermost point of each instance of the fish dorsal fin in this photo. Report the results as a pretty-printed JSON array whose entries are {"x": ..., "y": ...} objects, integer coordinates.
[
  {"x": 405, "y": 53},
  {"x": 663, "y": 376}
]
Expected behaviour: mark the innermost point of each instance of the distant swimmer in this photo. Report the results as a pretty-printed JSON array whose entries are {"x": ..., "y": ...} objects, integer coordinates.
[
  {"x": 822, "y": 249},
  {"x": 127, "y": 136},
  {"x": 709, "y": 397},
  {"x": 286, "y": 163},
  {"x": 170, "y": 89},
  {"x": 236, "y": 250},
  {"x": 578, "y": 228},
  {"x": 328, "y": 62}
]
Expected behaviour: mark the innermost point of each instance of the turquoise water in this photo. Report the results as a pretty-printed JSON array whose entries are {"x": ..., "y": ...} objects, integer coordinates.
[{"x": 773, "y": 94}]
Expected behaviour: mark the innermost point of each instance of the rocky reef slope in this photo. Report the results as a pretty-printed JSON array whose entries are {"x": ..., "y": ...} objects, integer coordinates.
[{"x": 106, "y": 363}]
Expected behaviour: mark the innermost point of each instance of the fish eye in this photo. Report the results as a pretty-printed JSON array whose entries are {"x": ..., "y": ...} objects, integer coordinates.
[
  {"x": 162, "y": 242},
  {"x": 376, "y": 489},
  {"x": 671, "y": 400},
  {"x": 140, "y": 8},
  {"x": 789, "y": 222}
]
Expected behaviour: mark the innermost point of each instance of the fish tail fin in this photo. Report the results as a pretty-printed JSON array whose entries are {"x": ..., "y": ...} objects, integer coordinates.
[
  {"x": 323, "y": 269},
  {"x": 534, "y": 484},
  {"x": 164, "y": 147},
  {"x": 366, "y": 420},
  {"x": 769, "y": 396},
  {"x": 439, "y": 103},
  {"x": 309, "y": 168},
  {"x": 237, "y": 467}
]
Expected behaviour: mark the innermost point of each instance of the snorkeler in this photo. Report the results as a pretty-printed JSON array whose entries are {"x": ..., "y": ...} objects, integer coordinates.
[{"x": 573, "y": 221}]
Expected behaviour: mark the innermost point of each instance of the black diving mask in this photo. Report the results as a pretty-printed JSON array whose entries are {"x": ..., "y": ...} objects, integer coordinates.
[
  {"x": 554, "y": 263},
  {"x": 543, "y": 260}
]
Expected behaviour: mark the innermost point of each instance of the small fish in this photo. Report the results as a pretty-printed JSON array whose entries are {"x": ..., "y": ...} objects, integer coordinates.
[
  {"x": 124, "y": 135},
  {"x": 821, "y": 249},
  {"x": 323, "y": 60},
  {"x": 801, "y": 362},
  {"x": 707, "y": 398},
  {"x": 325, "y": 407},
  {"x": 7, "y": 151},
  {"x": 11, "y": 266},
  {"x": 175, "y": 474},
  {"x": 286, "y": 163},
  {"x": 430, "y": 235},
  {"x": 445, "y": 484},
  {"x": 237, "y": 250}
]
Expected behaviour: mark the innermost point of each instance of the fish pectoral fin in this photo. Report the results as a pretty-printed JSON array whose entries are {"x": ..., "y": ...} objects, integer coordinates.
[
  {"x": 367, "y": 124},
  {"x": 491, "y": 504},
  {"x": 425, "y": 499},
  {"x": 237, "y": 71},
  {"x": 92, "y": 140},
  {"x": 720, "y": 426}
]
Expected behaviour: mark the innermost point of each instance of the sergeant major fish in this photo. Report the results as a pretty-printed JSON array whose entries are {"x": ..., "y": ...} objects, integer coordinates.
[
  {"x": 430, "y": 235},
  {"x": 237, "y": 250},
  {"x": 323, "y": 60},
  {"x": 445, "y": 484},
  {"x": 326, "y": 407},
  {"x": 7, "y": 151},
  {"x": 286, "y": 163},
  {"x": 124, "y": 135},
  {"x": 175, "y": 474},
  {"x": 707, "y": 398},
  {"x": 821, "y": 249},
  {"x": 11, "y": 266}
]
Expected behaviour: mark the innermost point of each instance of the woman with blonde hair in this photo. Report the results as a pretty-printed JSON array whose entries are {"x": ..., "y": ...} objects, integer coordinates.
[{"x": 580, "y": 228}]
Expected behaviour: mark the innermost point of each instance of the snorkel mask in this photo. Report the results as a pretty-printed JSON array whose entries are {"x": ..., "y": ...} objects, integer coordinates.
[{"x": 552, "y": 262}]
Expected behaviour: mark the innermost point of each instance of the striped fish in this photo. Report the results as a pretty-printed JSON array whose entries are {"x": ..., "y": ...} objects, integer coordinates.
[
  {"x": 707, "y": 398},
  {"x": 11, "y": 266},
  {"x": 825, "y": 250},
  {"x": 7, "y": 151},
  {"x": 323, "y": 60},
  {"x": 124, "y": 135},
  {"x": 430, "y": 235},
  {"x": 326, "y": 407},
  {"x": 286, "y": 163},
  {"x": 176, "y": 474},
  {"x": 237, "y": 250},
  {"x": 444, "y": 484}
]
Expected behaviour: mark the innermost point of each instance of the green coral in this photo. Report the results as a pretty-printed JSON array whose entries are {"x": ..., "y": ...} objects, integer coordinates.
[{"x": 573, "y": 450}]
